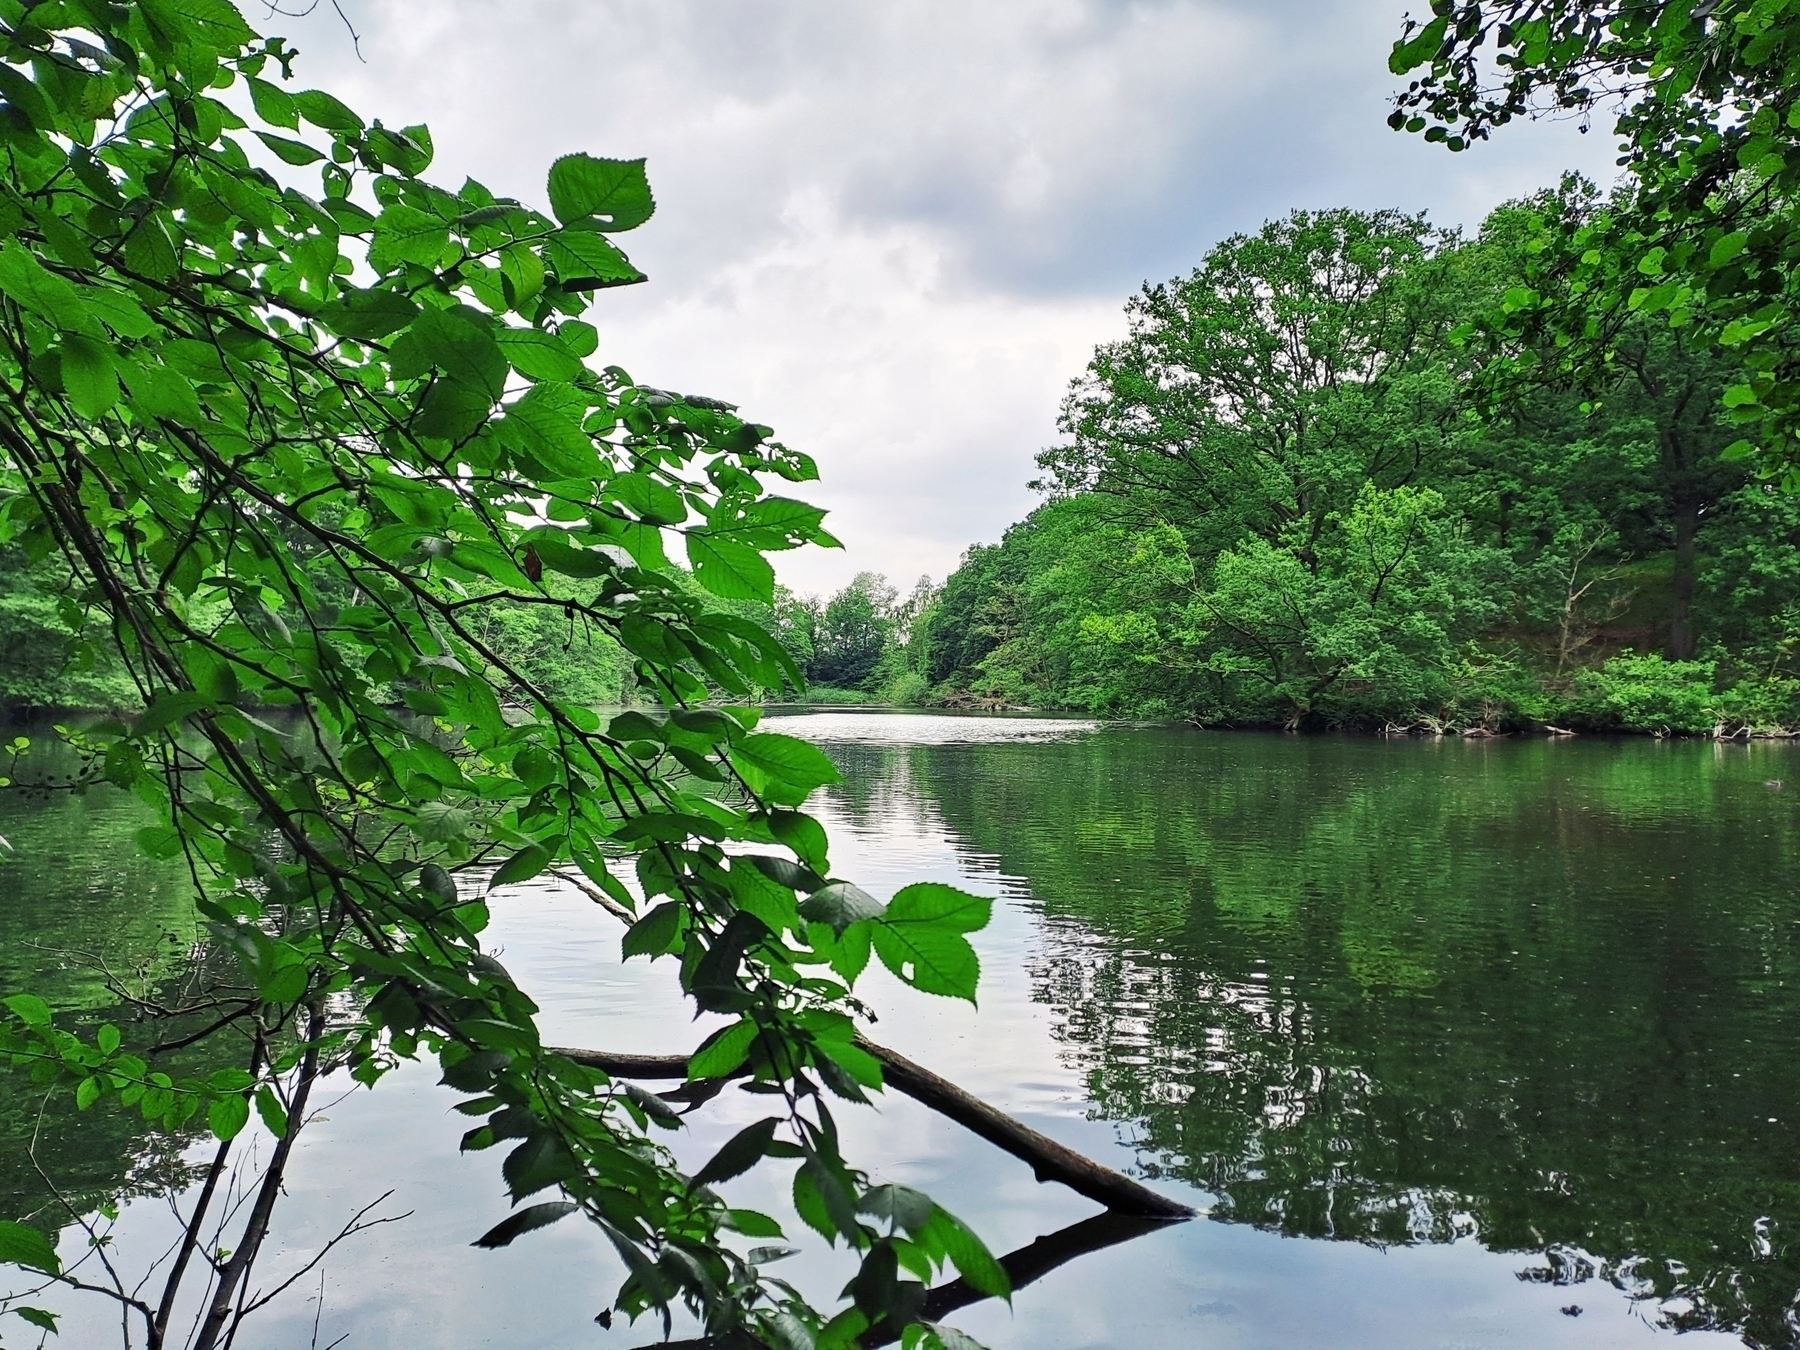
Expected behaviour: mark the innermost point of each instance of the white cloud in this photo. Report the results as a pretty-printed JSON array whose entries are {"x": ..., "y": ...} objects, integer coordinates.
[{"x": 896, "y": 231}]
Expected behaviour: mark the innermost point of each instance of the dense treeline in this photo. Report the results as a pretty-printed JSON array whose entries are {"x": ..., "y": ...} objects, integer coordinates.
[{"x": 1273, "y": 502}]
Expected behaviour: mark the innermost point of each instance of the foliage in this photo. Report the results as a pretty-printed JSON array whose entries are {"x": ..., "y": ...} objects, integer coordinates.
[
  {"x": 294, "y": 450},
  {"x": 52, "y": 655},
  {"x": 1703, "y": 100},
  {"x": 1275, "y": 502}
]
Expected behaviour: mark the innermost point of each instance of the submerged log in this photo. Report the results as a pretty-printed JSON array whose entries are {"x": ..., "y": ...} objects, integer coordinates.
[{"x": 1049, "y": 1160}]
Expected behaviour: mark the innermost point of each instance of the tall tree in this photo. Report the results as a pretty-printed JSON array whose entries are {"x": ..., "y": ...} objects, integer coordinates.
[{"x": 1257, "y": 395}]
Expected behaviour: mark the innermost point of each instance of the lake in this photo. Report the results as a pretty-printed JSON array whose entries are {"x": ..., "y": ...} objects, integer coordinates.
[{"x": 1455, "y": 1044}]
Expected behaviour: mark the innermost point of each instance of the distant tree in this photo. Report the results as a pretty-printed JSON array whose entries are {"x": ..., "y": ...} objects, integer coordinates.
[{"x": 853, "y": 630}]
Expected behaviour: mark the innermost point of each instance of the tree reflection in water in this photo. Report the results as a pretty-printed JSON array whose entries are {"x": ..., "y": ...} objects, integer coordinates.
[{"x": 1546, "y": 996}]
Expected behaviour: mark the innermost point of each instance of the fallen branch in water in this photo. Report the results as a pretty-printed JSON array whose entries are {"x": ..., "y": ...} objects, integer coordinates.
[
  {"x": 1025, "y": 1266},
  {"x": 1049, "y": 1160}
]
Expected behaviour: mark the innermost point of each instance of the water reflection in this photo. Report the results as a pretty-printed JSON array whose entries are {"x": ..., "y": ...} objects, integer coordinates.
[{"x": 1542, "y": 995}]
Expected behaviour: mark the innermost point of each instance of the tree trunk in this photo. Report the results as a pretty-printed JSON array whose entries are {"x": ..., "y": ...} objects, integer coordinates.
[
  {"x": 1681, "y": 588},
  {"x": 1049, "y": 1160}
]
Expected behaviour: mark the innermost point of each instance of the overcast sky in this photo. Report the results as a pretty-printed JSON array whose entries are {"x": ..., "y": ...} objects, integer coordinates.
[{"x": 895, "y": 231}]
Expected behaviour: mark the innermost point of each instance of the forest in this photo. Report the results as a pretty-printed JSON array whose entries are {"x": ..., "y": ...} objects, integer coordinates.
[{"x": 1283, "y": 500}]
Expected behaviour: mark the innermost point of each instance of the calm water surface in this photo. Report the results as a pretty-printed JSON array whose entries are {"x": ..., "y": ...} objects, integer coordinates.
[{"x": 1457, "y": 1045}]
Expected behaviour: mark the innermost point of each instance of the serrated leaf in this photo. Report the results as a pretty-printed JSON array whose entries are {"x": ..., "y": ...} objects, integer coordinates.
[
  {"x": 752, "y": 1223},
  {"x": 973, "y": 1261},
  {"x": 38, "y": 1317},
  {"x": 729, "y": 569},
  {"x": 787, "y": 759},
  {"x": 931, "y": 960},
  {"x": 949, "y": 1338},
  {"x": 840, "y": 904},
  {"x": 908, "y": 1208},
  {"x": 324, "y": 110},
  {"x": 273, "y": 104},
  {"x": 439, "y": 822},
  {"x": 406, "y": 234},
  {"x": 538, "y": 354},
  {"x": 940, "y": 906},
  {"x": 88, "y": 375},
  {"x": 23, "y": 1246},
  {"x": 527, "y": 863},
  {"x": 653, "y": 934},
  {"x": 524, "y": 1221},
  {"x": 740, "y": 1153},
  {"x": 616, "y": 192},
  {"x": 723, "y": 1052},
  {"x": 297, "y": 153},
  {"x": 586, "y": 261}
]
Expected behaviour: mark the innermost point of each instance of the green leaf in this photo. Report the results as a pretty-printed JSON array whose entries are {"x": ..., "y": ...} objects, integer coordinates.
[
  {"x": 949, "y": 1338},
  {"x": 932, "y": 903},
  {"x": 274, "y": 1114},
  {"x": 740, "y": 1153},
  {"x": 586, "y": 261},
  {"x": 22, "y": 1246},
  {"x": 1423, "y": 46},
  {"x": 787, "y": 759},
  {"x": 723, "y": 1052},
  {"x": 616, "y": 191},
  {"x": 291, "y": 152},
  {"x": 524, "y": 1221},
  {"x": 440, "y": 822},
  {"x": 931, "y": 960},
  {"x": 537, "y": 354},
  {"x": 369, "y": 314},
  {"x": 119, "y": 312},
  {"x": 527, "y": 863},
  {"x": 752, "y": 1223},
  {"x": 908, "y": 1208},
  {"x": 974, "y": 1262},
  {"x": 44, "y": 1321},
  {"x": 273, "y": 104},
  {"x": 227, "y": 1116},
  {"x": 323, "y": 110},
  {"x": 840, "y": 904},
  {"x": 455, "y": 344},
  {"x": 406, "y": 234},
  {"x": 653, "y": 934},
  {"x": 546, "y": 425},
  {"x": 168, "y": 709},
  {"x": 804, "y": 835},
  {"x": 32, "y": 286},
  {"x": 730, "y": 569},
  {"x": 88, "y": 375},
  {"x": 87, "y": 1092},
  {"x": 107, "y": 1038},
  {"x": 30, "y": 1009},
  {"x": 563, "y": 557}
]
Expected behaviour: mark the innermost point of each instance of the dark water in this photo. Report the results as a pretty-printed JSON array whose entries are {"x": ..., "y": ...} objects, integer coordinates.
[{"x": 1446, "y": 1037}]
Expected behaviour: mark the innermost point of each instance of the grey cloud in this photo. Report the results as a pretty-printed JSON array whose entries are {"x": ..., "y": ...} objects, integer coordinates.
[{"x": 896, "y": 230}]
